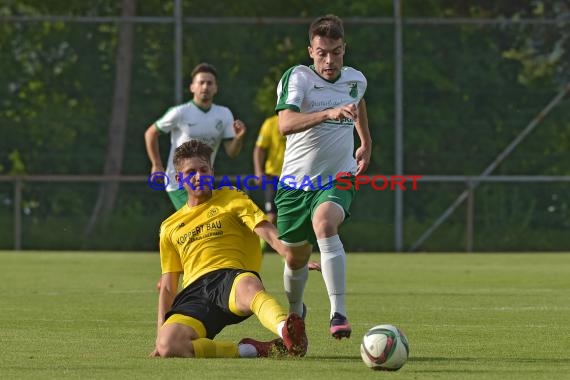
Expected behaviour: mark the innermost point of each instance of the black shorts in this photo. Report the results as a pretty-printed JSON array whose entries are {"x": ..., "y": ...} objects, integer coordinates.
[
  {"x": 269, "y": 192},
  {"x": 207, "y": 300}
]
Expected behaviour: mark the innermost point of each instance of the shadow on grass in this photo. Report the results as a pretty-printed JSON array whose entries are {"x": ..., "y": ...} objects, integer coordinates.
[
  {"x": 435, "y": 359},
  {"x": 428, "y": 359},
  {"x": 335, "y": 358}
]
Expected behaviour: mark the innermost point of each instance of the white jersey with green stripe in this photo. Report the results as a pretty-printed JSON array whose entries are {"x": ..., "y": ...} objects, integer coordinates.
[
  {"x": 189, "y": 122},
  {"x": 321, "y": 152}
]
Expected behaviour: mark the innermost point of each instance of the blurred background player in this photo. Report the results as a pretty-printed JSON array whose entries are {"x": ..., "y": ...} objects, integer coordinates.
[
  {"x": 319, "y": 108},
  {"x": 268, "y": 161},
  {"x": 199, "y": 119},
  {"x": 213, "y": 241}
]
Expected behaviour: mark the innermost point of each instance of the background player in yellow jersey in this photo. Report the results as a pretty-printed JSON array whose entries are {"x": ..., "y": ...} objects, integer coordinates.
[
  {"x": 268, "y": 161},
  {"x": 268, "y": 156},
  {"x": 213, "y": 241}
]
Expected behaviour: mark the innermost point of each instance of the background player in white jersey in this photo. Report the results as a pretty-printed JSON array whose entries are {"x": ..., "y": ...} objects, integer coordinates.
[
  {"x": 319, "y": 107},
  {"x": 199, "y": 119}
]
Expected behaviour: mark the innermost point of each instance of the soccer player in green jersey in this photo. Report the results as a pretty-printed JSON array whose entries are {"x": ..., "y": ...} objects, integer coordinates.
[
  {"x": 319, "y": 107},
  {"x": 199, "y": 119}
]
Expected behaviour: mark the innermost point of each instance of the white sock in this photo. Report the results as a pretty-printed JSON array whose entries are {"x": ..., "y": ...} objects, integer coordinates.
[
  {"x": 294, "y": 281},
  {"x": 280, "y": 328},
  {"x": 247, "y": 351},
  {"x": 333, "y": 264}
]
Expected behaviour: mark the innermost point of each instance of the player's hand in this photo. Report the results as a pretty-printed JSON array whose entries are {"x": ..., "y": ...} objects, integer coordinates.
[
  {"x": 352, "y": 110},
  {"x": 239, "y": 128},
  {"x": 157, "y": 169},
  {"x": 348, "y": 111},
  {"x": 154, "y": 353},
  {"x": 313, "y": 265},
  {"x": 362, "y": 156}
]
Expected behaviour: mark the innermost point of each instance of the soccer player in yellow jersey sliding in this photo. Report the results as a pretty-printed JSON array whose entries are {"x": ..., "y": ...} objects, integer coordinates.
[{"x": 213, "y": 241}]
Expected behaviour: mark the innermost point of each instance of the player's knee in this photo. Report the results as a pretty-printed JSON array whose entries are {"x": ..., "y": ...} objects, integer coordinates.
[
  {"x": 247, "y": 287},
  {"x": 324, "y": 228},
  {"x": 297, "y": 261}
]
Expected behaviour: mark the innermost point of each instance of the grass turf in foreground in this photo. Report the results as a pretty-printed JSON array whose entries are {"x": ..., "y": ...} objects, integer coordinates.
[{"x": 467, "y": 316}]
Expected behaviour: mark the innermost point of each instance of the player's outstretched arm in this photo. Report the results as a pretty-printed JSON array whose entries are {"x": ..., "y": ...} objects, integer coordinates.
[
  {"x": 363, "y": 152},
  {"x": 259, "y": 157},
  {"x": 268, "y": 232},
  {"x": 168, "y": 290},
  {"x": 151, "y": 136},
  {"x": 294, "y": 257},
  {"x": 293, "y": 122},
  {"x": 233, "y": 147}
]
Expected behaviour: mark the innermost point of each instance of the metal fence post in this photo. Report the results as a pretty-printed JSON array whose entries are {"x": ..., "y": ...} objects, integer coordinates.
[
  {"x": 18, "y": 215},
  {"x": 178, "y": 85},
  {"x": 398, "y": 127},
  {"x": 470, "y": 214}
]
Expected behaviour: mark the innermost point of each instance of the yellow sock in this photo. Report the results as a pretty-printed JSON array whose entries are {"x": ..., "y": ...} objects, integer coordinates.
[
  {"x": 208, "y": 348},
  {"x": 268, "y": 310}
]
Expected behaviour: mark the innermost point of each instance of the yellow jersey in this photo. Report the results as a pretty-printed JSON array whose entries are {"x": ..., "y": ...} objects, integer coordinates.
[
  {"x": 273, "y": 142},
  {"x": 217, "y": 234}
]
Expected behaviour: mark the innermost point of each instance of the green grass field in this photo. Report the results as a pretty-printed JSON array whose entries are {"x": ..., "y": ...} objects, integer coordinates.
[{"x": 467, "y": 316}]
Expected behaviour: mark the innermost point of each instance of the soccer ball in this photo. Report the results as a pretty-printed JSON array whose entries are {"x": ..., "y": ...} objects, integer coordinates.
[{"x": 384, "y": 348}]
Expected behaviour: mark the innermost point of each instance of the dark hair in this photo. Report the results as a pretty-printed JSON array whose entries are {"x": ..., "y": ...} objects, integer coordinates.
[
  {"x": 204, "y": 68},
  {"x": 329, "y": 26},
  {"x": 190, "y": 149}
]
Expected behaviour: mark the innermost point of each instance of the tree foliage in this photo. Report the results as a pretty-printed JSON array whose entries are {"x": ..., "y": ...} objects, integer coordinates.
[{"x": 468, "y": 91}]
